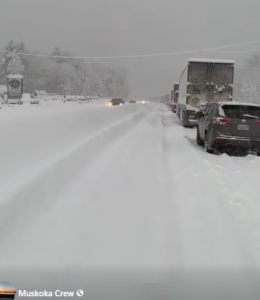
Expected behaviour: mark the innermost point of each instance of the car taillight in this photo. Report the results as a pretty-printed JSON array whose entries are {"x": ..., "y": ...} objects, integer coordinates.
[
  {"x": 258, "y": 122},
  {"x": 221, "y": 121},
  {"x": 224, "y": 121}
]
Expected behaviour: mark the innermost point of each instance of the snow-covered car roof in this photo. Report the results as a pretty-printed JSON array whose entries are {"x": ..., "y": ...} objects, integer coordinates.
[
  {"x": 238, "y": 103},
  {"x": 209, "y": 60}
]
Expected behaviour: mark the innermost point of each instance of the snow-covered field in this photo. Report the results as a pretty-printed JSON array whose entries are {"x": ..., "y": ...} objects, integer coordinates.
[{"x": 125, "y": 189}]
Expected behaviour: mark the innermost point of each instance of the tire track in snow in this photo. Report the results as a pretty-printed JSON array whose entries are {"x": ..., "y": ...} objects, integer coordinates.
[
  {"x": 144, "y": 289},
  {"x": 176, "y": 241},
  {"x": 129, "y": 223},
  {"x": 38, "y": 193},
  {"x": 209, "y": 235}
]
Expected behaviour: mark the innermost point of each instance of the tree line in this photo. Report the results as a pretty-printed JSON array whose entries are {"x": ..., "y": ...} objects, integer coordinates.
[
  {"x": 247, "y": 80},
  {"x": 61, "y": 73}
]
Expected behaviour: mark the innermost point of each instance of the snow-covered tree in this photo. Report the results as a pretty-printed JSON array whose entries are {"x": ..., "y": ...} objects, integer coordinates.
[
  {"x": 58, "y": 74},
  {"x": 12, "y": 60},
  {"x": 254, "y": 60},
  {"x": 247, "y": 81}
]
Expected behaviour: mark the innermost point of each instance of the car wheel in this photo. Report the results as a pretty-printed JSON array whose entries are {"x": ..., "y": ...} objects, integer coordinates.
[
  {"x": 258, "y": 152},
  {"x": 206, "y": 144},
  {"x": 198, "y": 138}
]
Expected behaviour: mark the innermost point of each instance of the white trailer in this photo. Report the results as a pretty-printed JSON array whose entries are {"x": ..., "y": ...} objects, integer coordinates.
[{"x": 203, "y": 81}]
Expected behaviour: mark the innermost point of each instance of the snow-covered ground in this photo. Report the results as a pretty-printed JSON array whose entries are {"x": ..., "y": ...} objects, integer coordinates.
[{"x": 125, "y": 189}]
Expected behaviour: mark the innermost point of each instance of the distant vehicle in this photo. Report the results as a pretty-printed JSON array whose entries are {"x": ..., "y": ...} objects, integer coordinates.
[
  {"x": 14, "y": 89},
  {"x": 35, "y": 101},
  {"x": 175, "y": 97},
  {"x": 53, "y": 97},
  {"x": 175, "y": 91},
  {"x": 229, "y": 125},
  {"x": 74, "y": 99},
  {"x": 203, "y": 80},
  {"x": 83, "y": 100},
  {"x": 27, "y": 98},
  {"x": 174, "y": 107},
  {"x": 132, "y": 101},
  {"x": 41, "y": 94},
  {"x": 171, "y": 96},
  {"x": 116, "y": 101}
]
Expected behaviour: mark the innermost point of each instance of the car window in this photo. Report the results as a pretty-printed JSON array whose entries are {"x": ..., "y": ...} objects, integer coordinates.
[
  {"x": 211, "y": 110},
  {"x": 207, "y": 109},
  {"x": 241, "y": 111},
  {"x": 208, "y": 112},
  {"x": 215, "y": 110}
]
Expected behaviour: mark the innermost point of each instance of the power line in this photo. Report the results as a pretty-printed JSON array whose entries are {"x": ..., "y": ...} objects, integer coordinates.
[
  {"x": 239, "y": 51},
  {"x": 231, "y": 46},
  {"x": 144, "y": 55},
  {"x": 102, "y": 57}
]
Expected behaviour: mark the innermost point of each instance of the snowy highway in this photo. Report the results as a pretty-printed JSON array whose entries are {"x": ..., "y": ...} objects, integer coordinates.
[{"x": 92, "y": 186}]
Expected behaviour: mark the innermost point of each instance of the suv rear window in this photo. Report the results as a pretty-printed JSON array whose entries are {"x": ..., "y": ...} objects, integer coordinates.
[{"x": 240, "y": 111}]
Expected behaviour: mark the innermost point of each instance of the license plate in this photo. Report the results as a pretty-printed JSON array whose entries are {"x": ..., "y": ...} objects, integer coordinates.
[
  {"x": 192, "y": 116},
  {"x": 243, "y": 127}
]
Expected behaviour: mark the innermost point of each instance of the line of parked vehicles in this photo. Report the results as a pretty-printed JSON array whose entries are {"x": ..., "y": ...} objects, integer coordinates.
[
  {"x": 203, "y": 98},
  {"x": 120, "y": 101}
]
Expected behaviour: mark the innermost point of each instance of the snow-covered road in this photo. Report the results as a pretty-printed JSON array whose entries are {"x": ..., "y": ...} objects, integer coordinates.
[{"x": 125, "y": 188}]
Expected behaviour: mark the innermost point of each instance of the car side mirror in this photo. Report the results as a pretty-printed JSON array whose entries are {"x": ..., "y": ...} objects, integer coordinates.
[{"x": 199, "y": 115}]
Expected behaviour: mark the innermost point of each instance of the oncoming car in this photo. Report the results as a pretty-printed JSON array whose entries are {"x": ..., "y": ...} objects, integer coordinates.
[
  {"x": 132, "y": 101},
  {"x": 116, "y": 101},
  {"x": 226, "y": 125}
]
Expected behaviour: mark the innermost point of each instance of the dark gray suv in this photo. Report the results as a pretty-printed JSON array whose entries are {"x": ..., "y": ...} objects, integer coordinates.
[{"x": 229, "y": 124}]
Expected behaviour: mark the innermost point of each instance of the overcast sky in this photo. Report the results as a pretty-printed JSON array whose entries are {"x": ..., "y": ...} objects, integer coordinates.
[{"x": 131, "y": 27}]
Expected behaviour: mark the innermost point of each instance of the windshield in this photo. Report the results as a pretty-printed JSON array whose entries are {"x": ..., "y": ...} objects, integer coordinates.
[{"x": 241, "y": 111}]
